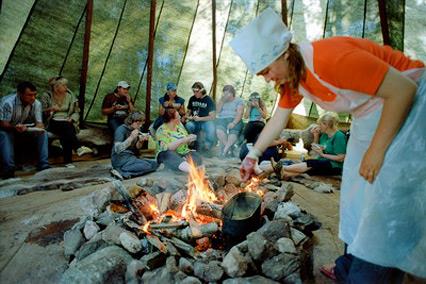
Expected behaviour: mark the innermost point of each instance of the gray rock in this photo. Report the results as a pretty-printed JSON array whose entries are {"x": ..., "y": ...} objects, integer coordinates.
[
  {"x": 73, "y": 239},
  {"x": 96, "y": 243},
  {"x": 104, "y": 266},
  {"x": 90, "y": 229},
  {"x": 293, "y": 278},
  {"x": 280, "y": 266},
  {"x": 112, "y": 233},
  {"x": 274, "y": 230},
  {"x": 171, "y": 265},
  {"x": 130, "y": 242},
  {"x": 250, "y": 280},
  {"x": 286, "y": 245},
  {"x": 186, "y": 266},
  {"x": 210, "y": 272},
  {"x": 297, "y": 236},
  {"x": 287, "y": 209},
  {"x": 235, "y": 263},
  {"x": 95, "y": 203},
  {"x": 106, "y": 218},
  {"x": 190, "y": 280},
  {"x": 179, "y": 276},
  {"x": 256, "y": 244},
  {"x": 134, "y": 271},
  {"x": 286, "y": 192},
  {"x": 157, "y": 276}
]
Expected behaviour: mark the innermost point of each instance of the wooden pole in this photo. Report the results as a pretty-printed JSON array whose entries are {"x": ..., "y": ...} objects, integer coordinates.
[
  {"x": 384, "y": 22},
  {"x": 85, "y": 60},
  {"x": 150, "y": 60},
  {"x": 284, "y": 11},
  {"x": 214, "y": 48}
]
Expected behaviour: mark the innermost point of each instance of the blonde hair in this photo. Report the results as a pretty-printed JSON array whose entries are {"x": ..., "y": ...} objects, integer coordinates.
[
  {"x": 331, "y": 119},
  {"x": 56, "y": 81}
]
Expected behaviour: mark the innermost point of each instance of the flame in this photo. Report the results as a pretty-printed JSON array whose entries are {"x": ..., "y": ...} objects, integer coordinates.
[
  {"x": 146, "y": 227},
  {"x": 253, "y": 186},
  {"x": 198, "y": 190}
]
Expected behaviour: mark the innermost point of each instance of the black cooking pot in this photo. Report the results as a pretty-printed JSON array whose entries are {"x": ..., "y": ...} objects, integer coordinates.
[{"x": 241, "y": 216}]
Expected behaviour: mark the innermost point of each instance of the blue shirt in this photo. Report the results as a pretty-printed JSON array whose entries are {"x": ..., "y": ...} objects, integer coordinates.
[{"x": 13, "y": 111}]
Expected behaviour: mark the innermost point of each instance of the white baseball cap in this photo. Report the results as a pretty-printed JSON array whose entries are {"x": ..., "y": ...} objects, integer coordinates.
[
  {"x": 123, "y": 84},
  {"x": 262, "y": 41}
]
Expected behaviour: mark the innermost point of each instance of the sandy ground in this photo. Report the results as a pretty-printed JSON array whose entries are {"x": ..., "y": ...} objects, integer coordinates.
[{"x": 31, "y": 228}]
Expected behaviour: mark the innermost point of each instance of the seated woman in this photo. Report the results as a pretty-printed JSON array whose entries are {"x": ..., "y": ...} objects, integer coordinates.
[
  {"x": 125, "y": 153},
  {"x": 329, "y": 144},
  {"x": 228, "y": 122},
  {"x": 61, "y": 114},
  {"x": 170, "y": 99},
  {"x": 173, "y": 140},
  {"x": 256, "y": 114}
]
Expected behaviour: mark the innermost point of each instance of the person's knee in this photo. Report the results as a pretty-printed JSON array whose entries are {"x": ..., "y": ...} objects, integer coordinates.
[{"x": 190, "y": 126}]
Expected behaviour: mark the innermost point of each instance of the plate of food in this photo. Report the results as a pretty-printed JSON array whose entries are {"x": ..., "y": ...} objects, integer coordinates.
[{"x": 60, "y": 118}]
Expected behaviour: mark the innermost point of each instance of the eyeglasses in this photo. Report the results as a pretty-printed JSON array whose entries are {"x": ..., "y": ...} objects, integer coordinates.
[
  {"x": 138, "y": 120},
  {"x": 195, "y": 90}
]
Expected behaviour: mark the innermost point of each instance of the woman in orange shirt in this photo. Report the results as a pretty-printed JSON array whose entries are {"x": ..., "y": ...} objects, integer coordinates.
[{"x": 383, "y": 196}]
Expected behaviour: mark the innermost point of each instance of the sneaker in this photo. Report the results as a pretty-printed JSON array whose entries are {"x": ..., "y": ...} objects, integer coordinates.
[
  {"x": 83, "y": 150},
  {"x": 70, "y": 166},
  {"x": 116, "y": 174}
]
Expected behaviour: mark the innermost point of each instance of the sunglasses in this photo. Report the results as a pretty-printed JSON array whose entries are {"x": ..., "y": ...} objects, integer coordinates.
[{"x": 195, "y": 90}]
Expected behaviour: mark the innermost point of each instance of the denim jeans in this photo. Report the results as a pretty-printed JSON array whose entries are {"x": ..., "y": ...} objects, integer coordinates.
[
  {"x": 68, "y": 137},
  {"x": 209, "y": 129},
  {"x": 7, "y": 150},
  {"x": 114, "y": 123},
  {"x": 129, "y": 165},
  {"x": 172, "y": 160}
]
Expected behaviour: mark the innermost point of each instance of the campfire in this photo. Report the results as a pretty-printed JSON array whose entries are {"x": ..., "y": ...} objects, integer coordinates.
[{"x": 213, "y": 229}]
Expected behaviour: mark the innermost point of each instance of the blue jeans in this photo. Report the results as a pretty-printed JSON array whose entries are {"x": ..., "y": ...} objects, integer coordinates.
[
  {"x": 129, "y": 165},
  {"x": 7, "y": 150},
  {"x": 209, "y": 129},
  {"x": 114, "y": 123}
]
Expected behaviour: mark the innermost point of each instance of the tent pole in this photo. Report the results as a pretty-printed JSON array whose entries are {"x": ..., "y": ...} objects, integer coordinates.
[
  {"x": 284, "y": 11},
  {"x": 150, "y": 60},
  {"x": 214, "y": 48},
  {"x": 85, "y": 60},
  {"x": 384, "y": 22}
]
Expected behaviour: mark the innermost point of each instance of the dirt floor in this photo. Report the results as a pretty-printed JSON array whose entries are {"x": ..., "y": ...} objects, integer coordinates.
[{"x": 32, "y": 226}]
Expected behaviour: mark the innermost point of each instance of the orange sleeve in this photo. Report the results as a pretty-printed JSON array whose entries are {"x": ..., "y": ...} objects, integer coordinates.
[
  {"x": 289, "y": 98},
  {"x": 361, "y": 71}
]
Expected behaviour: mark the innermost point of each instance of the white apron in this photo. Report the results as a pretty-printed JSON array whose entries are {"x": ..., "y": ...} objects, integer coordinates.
[{"x": 385, "y": 222}]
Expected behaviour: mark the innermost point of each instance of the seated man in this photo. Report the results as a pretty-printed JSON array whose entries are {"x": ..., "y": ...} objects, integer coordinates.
[
  {"x": 117, "y": 106},
  {"x": 19, "y": 113},
  {"x": 228, "y": 123},
  {"x": 201, "y": 115}
]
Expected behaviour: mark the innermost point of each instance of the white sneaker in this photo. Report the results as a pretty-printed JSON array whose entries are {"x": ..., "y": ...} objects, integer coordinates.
[
  {"x": 84, "y": 150},
  {"x": 70, "y": 166}
]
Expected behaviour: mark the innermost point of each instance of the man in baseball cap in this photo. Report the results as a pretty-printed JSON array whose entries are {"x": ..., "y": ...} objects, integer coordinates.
[{"x": 117, "y": 105}]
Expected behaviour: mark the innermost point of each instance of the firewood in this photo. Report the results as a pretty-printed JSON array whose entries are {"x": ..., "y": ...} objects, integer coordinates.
[
  {"x": 196, "y": 231},
  {"x": 155, "y": 241},
  {"x": 173, "y": 225},
  {"x": 118, "y": 185},
  {"x": 163, "y": 200},
  {"x": 183, "y": 246},
  {"x": 209, "y": 209}
]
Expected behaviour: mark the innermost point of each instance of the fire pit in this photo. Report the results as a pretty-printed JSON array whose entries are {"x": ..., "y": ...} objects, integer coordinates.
[{"x": 211, "y": 231}]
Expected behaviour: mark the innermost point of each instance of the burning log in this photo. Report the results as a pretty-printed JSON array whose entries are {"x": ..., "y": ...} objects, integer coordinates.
[
  {"x": 196, "y": 231},
  {"x": 173, "y": 225},
  {"x": 210, "y": 209},
  {"x": 163, "y": 200},
  {"x": 118, "y": 185}
]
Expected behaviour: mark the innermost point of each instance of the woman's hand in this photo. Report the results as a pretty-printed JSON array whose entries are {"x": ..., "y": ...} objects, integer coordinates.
[
  {"x": 231, "y": 125},
  {"x": 316, "y": 130},
  {"x": 371, "y": 164},
  {"x": 191, "y": 138},
  {"x": 247, "y": 168}
]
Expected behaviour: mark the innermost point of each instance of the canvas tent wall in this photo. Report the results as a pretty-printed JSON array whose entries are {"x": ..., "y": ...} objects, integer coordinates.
[{"x": 42, "y": 38}]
